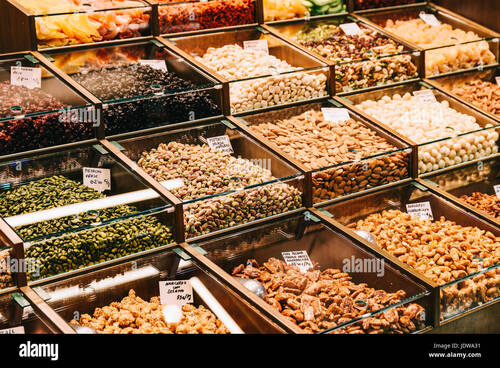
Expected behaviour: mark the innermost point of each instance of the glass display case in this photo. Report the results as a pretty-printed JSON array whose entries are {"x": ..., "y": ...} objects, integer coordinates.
[
  {"x": 101, "y": 301},
  {"x": 478, "y": 89},
  {"x": 176, "y": 16},
  {"x": 328, "y": 284},
  {"x": 219, "y": 189},
  {"x": 475, "y": 184},
  {"x": 448, "y": 247},
  {"x": 280, "y": 10},
  {"x": 79, "y": 207},
  {"x": 345, "y": 157},
  {"x": 447, "y": 132},
  {"x": 37, "y": 110},
  {"x": 142, "y": 85},
  {"x": 363, "y": 58},
  {"x": 18, "y": 317},
  {"x": 451, "y": 43},
  {"x": 58, "y": 23},
  {"x": 262, "y": 70}
]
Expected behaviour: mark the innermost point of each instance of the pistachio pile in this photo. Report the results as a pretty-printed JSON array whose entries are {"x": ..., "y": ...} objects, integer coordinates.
[
  {"x": 52, "y": 192},
  {"x": 89, "y": 247},
  {"x": 206, "y": 172},
  {"x": 80, "y": 249}
]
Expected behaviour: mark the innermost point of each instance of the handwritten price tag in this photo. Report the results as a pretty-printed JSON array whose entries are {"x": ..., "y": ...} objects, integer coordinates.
[
  {"x": 257, "y": 45},
  {"x": 13, "y": 331},
  {"x": 430, "y": 19},
  {"x": 27, "y": 77},
  {"x": 177, "y": 292},
  {"x": 422, "y": 210},
  {"x": 155, "y": 64},
  {"x": 298, "y": 258},
  {"x": 497, "y": 80},
  {"x": 335, "y": 114},
  {"x": 98, "y": 179},
  {"x": 173, "y": 184},
  {"x": 497, "y": 190},
  {"x": 425, "y": 95},
  {"x": 350, "y": 29},
  {"x": 220, "y": 143}
]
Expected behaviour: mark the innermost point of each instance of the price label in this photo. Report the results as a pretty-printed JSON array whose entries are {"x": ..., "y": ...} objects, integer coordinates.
[
  {"x": 155, "y": 64},
  {"x": 335, "y": 114},
  {"x": 498, "y": 80},
  {"x": 422, "y": 210},
  {"x": 298, "y": 258},
  {"x": 350, "y": 29},
  {"x": 497, "y": 190},
  {"x": 177, "y": 292},
  {"x": 220, "y": 143},
  {"x": 173, "y": 184},
  {"x": 430, "y": 19},
  {"x": 27, "y": 77},
  {"x": 98, "y": 179},
  {"x": 257, "y": 45},
  {"x": 13, "y": 331},
  {"x": 425, "y": 95}
]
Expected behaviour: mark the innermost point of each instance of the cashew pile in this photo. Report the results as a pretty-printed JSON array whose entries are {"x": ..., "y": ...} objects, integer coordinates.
[
  {"x": 442, "y": 251},
  {"x": 235, "y": 63},
  {"x": 424, "y": 122}
]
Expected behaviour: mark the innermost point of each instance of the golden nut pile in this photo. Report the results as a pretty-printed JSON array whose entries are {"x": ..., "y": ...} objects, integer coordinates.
[
  {"x": 442, "y": 251},
  {"x": 317, "y": 144},
  {"x": 318, "y": 300},
  {"x": 489, "y": 203},
  {"x": 134, "y": 315},
  {"x": 485, "y": 95}
]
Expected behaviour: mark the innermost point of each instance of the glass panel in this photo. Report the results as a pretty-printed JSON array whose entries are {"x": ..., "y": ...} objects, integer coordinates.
[
  {"x": 274, "y": 75},
  {"x": 219, "y": 189},
  {"x": 372, "y": 4},
  {"x": 70, "y": 22},
  {"x": 346, "y": 283},
  {"x": 451, "y": 248},
  {"x": 39, "y": 111},
  {"x": 187, "y": 16},
  {"x": 51, "y": 194},
  {"x": 142, "y": 85},
  {"x": 214, "y": 309}
]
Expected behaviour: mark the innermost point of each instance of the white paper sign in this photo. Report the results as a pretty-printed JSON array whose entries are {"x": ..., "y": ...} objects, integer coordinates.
[
  {"x": 98, "y": 179},
  {"x": 422, "y": 210},
  {"x": 257, "y": 45},
  {"x": 425, "y": 95},
  {"x": 155, "y": 64},
  {"x": 220, "y": 143},
  {"x": 335, "y": 114},
  {"x": 27, "y": 77},
  {"x": 350, "y": 29},
  {"x": 497, "y": 190},
  {"x": 430, "y": 19},
  {"x": 298, "y": 258},
  {"x": 177, "y": 292},
  {"x": 498, "y": 80},
  {"x": 13, "y": 331},
  {"x": 173, "y": 184}
]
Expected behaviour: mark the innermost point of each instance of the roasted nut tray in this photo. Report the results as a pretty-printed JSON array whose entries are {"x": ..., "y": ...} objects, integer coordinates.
[{"x": 441, "y": 242}]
